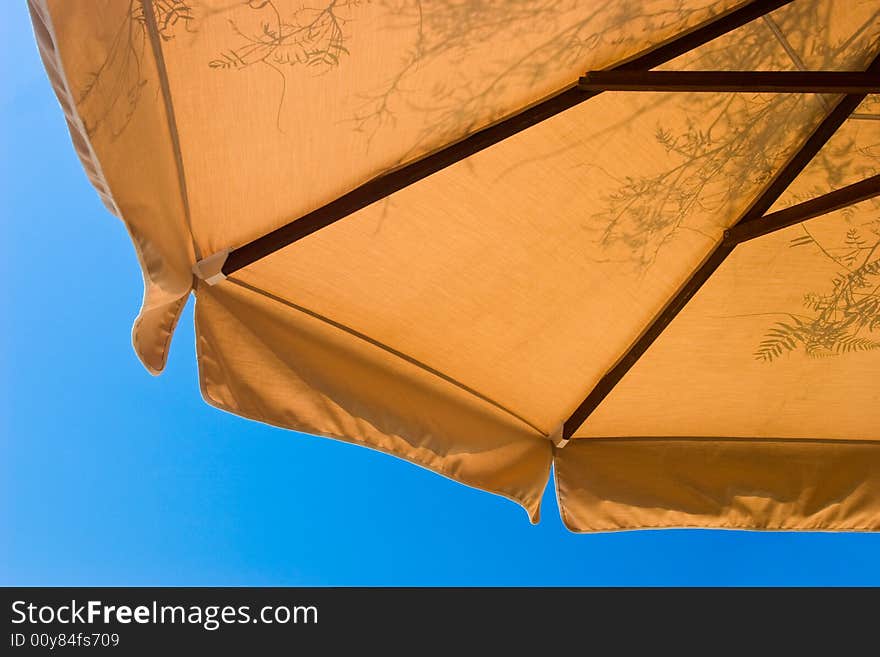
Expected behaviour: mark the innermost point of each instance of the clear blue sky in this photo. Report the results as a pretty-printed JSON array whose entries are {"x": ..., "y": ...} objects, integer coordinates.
[{"x": 109, "y": 476}]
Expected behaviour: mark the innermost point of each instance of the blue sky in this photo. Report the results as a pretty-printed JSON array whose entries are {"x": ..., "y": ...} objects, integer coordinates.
[{"x": 109, "y": 476}]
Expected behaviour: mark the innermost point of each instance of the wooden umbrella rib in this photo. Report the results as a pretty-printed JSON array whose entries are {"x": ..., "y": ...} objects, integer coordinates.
[
  {"x": 816, "y": 207},
  {"x": 394, "y": 181}
]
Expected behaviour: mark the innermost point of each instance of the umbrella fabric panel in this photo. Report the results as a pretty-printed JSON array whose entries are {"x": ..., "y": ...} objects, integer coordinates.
[
  {"x": 284, "y": 106},
  {"x": 783, "y": 341},
  {"x": 813, "y": 485},
  {"x": 119, "y": 125},
  {"x": 263, "y": 360}
]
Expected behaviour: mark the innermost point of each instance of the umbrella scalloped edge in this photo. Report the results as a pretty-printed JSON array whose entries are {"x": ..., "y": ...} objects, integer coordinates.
[{"x": 716, "y": 483}]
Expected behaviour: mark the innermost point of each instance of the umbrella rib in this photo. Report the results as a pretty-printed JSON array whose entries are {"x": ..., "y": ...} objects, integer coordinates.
[
  {"x": 815, "y": 207},
  {"x": 758, "y": 208},
  {"x": 393, "y": 181},
  {"x": 390, "y": 350},
  {"x": 779, "y": 82}
]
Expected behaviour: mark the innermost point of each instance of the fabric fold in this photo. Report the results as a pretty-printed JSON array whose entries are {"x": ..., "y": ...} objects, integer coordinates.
[{"x": 105, "y": 77}]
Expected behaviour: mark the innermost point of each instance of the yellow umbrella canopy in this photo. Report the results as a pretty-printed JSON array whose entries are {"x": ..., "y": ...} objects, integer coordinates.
[{"x": 634, "y": 242}]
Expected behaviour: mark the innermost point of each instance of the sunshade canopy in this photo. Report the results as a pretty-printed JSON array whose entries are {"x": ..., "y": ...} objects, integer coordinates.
[{"x": 495, "y": 238}]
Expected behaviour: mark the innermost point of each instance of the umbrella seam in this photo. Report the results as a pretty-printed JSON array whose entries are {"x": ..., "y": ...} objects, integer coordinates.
[
  {"x": 387, "y": 349},
  {"x": 170, "y": 120}
]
